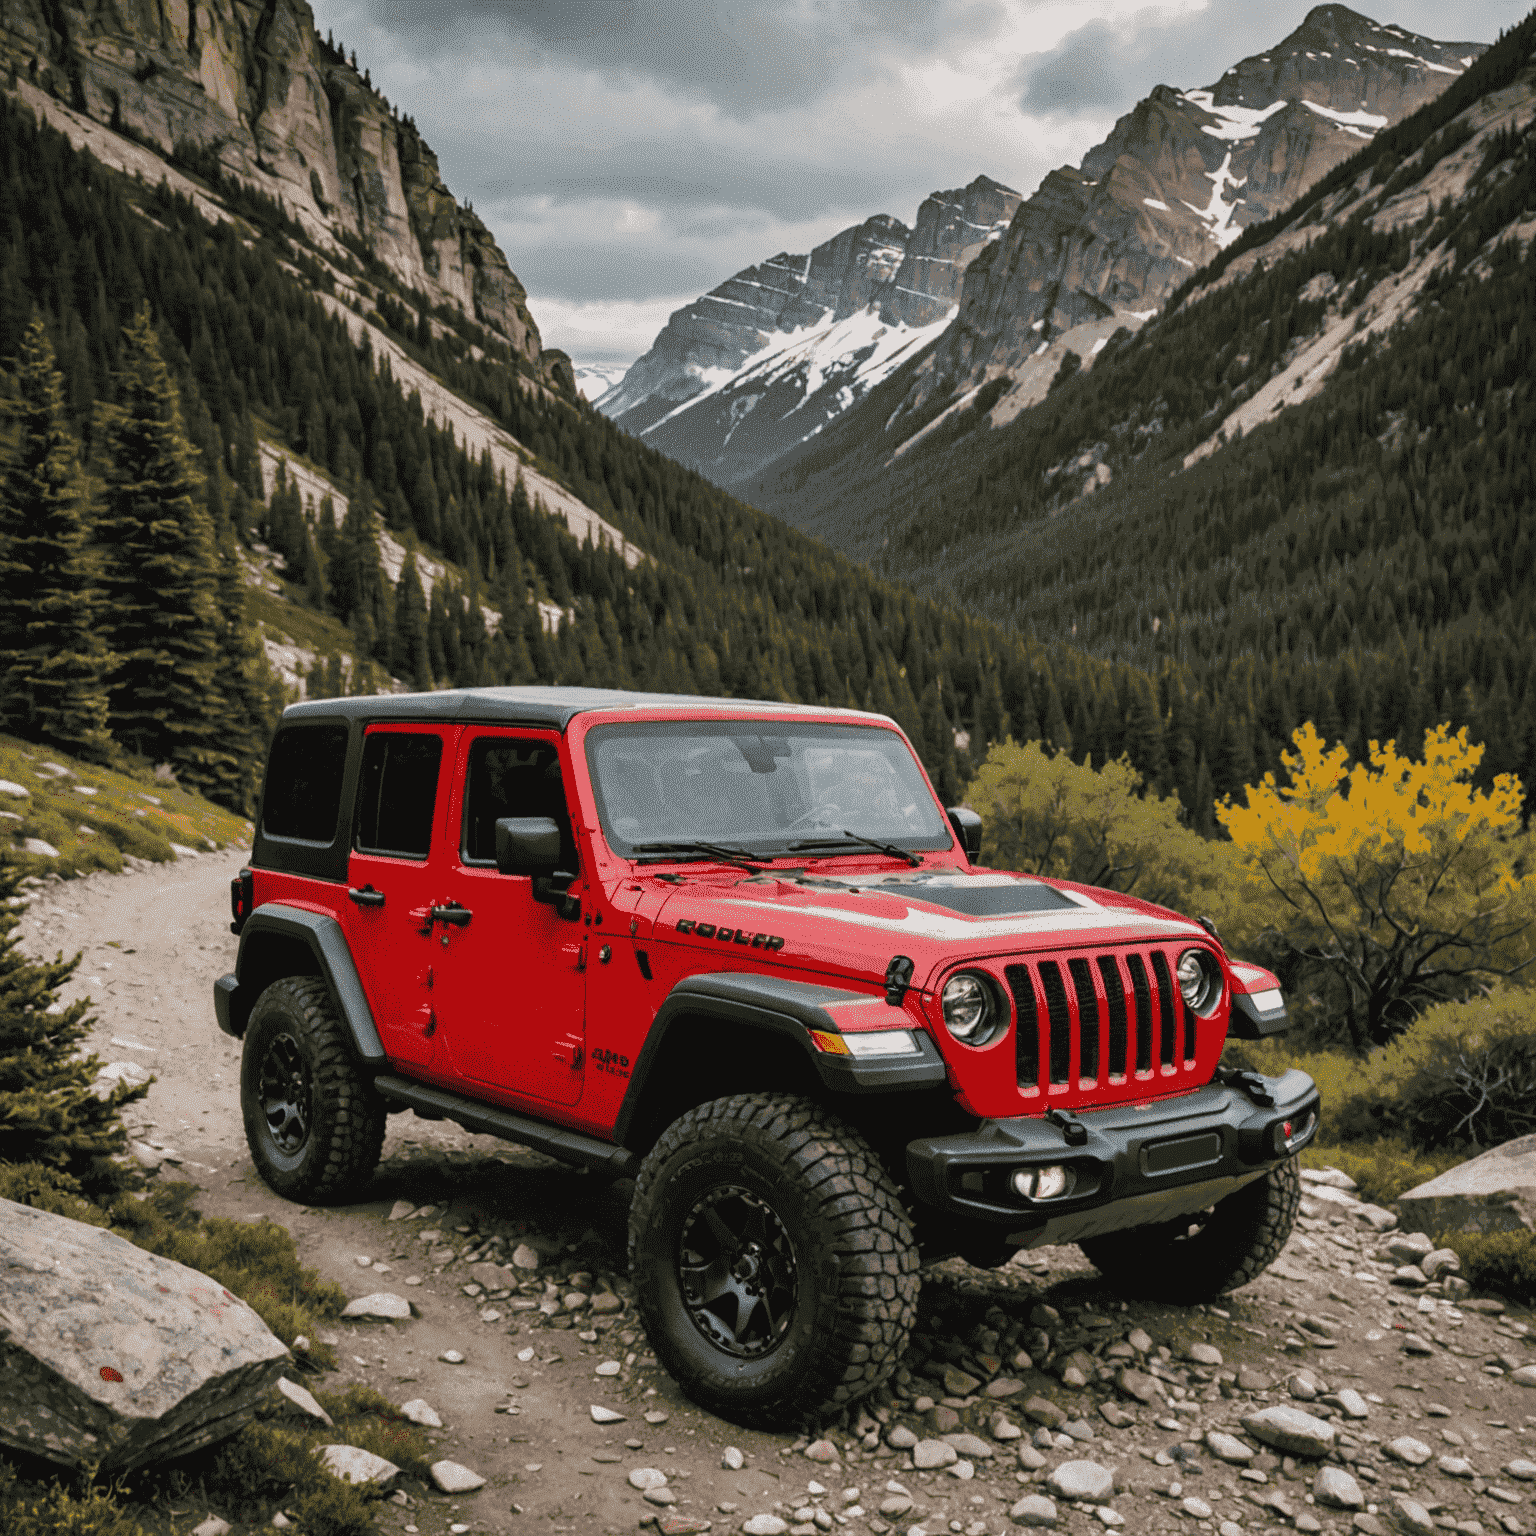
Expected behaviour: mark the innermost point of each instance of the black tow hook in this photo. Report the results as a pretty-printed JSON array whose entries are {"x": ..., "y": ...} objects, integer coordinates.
[
  {"x": 1247, "y": 1082},
  {"x": 1073, "y": 1132}
]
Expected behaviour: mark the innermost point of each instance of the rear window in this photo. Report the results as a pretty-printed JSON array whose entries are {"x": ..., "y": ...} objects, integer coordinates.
[
  {"x": 303, "y": 793},
  {"x": 396, "y": 793}
]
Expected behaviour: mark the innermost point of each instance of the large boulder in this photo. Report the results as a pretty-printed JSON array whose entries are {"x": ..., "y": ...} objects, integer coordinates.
[
  {"x": 113, "y": 1358},
  {"x": 1493, "y": 1192}
]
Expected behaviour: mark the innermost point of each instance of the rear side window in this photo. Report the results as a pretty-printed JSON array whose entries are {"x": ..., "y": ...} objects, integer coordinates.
[
  {"x": 303, "y": 794},
  {"x": 396, "y": 793}
]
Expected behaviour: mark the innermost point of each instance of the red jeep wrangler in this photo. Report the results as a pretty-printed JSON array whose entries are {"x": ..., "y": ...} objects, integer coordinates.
[{"x": 738, "y": 952}]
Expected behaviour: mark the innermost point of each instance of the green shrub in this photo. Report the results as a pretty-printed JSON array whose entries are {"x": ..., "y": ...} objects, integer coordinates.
[
  {"x": 1383, "y": 1169},
  {"x": 50, "y": 1509},
  {"x": 1462, "y": 1076},
  {"x": 1497, "y": 1261}
]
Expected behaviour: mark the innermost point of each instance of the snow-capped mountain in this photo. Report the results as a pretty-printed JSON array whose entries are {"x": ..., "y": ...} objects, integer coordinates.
[
  {"x": 776, "y": 351},
  {"x": 1177, "y": 180},
  {"x": 596, "y": 379}
]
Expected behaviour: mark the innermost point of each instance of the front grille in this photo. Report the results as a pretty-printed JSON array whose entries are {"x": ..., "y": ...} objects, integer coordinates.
[{"x": 1093, "y": 1020}]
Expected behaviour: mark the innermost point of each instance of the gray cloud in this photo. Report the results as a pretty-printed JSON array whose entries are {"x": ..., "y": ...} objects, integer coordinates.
[{"x": 744, "y": 57}]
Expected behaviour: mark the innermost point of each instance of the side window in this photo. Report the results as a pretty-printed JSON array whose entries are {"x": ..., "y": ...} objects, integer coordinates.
[
  {"x": 302, "y": 798},
  {"x": 396, "y": 793},
  {"x": 512, "y": 778}
]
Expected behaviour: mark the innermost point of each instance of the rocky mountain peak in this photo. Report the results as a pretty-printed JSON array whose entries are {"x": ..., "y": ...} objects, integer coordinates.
[{"x": 250, "y": 89}]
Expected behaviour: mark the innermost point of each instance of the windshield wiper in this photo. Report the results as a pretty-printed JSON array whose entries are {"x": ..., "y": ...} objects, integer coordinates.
[
  {"x": 868, "y": 842},
  {"x": 662, "y": 852}
]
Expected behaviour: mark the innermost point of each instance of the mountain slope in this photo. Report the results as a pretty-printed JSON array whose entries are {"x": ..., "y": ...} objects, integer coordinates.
[
  {"x": 250, "y": 90},
  {"x": 776, "y": 351},
  {"x": 1306, "y": 487}
]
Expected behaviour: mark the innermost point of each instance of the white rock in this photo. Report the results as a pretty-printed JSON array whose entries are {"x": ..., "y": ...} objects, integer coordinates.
[
  {"x": 382, "y": 1304},
  {"x": 601, "y": 1415},
  {"x": 525, "y": 1257},
  {"x": 400, "y": 1210},
  {"x": 212, "y": 1526},
  {"x": 352, "y": 1464},
  {"x": 1085, "y": 1480},
  {"x": 116, "y": 1358},
  {"x": 420, "y": 1411},
  {"x": 1334, "y": 1488},
  {"x": 450, "y": 1477},
  {"x": 765, "y": 1525},
  {"x": 1034, "y": 1509},
  {"x": 10, "y": 787},
  {"x": 732, "y": 1459},
  {"x": 1291, "y": 1430},
  {"x": 39, "y": 846},
  {"x": 451, "y": 1357},
  {"x": 1406, "y": 1449},
  {"x": 1353, "y": 1404},
  {"x": 647, "y": 1477},
  {"x": 927, "y": 1455},
  {"x": 304, "y": 1400},
  {"x": 1335, "y": 1177},
  {"x": 363, "y": 1260},
  {"x": 1228, "y": 1448},
  {"x": 609, "y": 1368}
]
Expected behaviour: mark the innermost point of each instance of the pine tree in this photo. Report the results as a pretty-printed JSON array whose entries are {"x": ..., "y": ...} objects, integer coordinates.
[
  {"x": 246, "y": 687},
  {"x": 159, "y": 570},
  {"x": 408, "y": 653},
  {"x": 51, "y": 1115},
  {"x": 52, "y": 676}
]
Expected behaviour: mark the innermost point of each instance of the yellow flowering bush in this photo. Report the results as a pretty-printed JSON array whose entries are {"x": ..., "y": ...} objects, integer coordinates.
[{"x": 1389, "y": 885}]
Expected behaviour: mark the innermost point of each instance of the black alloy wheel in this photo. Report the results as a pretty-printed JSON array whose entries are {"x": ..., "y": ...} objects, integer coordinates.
[
  {"x": 736, "y": 1272},
  {"x": 775, "y": 1267},
  {"x": 284, "y": 1092},
  {"x": 313, "y": 1122}
]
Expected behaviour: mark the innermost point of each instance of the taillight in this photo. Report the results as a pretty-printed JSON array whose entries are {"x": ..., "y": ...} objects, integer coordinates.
[{"x": 242, "y": 899}]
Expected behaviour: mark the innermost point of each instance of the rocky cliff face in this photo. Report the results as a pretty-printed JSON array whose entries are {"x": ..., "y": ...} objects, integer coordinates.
[
  {"x": 1178, "y": 179},
  {"x": 777, "y": 350},
  {"x": 251, "y": 84}
]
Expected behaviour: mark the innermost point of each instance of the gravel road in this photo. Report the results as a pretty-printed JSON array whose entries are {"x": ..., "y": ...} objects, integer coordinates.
[{"x": 1063, "y": 1407}]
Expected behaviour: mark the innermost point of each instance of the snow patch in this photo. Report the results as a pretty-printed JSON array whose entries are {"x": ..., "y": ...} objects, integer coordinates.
[
  {"x": 1359, "y": 119},
  {"x": 1152, "y": 202},
  {"x": 1235, "y": 123},
  {"x": 1217, "y": 214}
]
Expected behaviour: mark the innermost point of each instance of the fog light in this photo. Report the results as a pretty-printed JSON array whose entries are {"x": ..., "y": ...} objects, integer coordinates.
[{"x": 1044, "y": 1183}]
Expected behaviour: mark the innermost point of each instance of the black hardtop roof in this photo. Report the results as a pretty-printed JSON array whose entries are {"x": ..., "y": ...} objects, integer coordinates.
[{"x": 549, "y": 707}]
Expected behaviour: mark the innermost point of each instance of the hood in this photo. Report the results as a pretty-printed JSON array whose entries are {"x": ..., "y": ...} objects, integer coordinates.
[{"x": 856, "y": 921}]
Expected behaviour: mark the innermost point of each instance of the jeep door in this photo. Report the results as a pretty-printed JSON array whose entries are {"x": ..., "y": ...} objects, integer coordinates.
[
  {"x": 394, "y": 868},
  {"x": 511, "y": 982}
]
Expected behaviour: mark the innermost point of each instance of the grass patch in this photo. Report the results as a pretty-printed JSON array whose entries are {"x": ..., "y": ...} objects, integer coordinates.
[
  {"x": 1497, "y": 1261},
  {"x": 1383, "y": 1169},
  {"x": 96, "y": 817},
  {"x": 282, "y": 616}
]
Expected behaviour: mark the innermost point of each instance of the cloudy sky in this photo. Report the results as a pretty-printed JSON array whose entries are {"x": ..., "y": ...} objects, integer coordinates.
[{"x": 630, "y": 154}]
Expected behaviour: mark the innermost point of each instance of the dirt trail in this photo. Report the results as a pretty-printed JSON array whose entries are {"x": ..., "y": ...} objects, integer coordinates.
[{"x": 1326, "y": 1318}]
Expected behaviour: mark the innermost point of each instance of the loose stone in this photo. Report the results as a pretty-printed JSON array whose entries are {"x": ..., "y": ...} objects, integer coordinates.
[
  {"x": 420, "y": 1411},
  {"x": 732, "y": 1459},
  {"x": 1336, "y": 1489},
  {"x": 647, "y": 1477},
  {"x": 928, "y": 1455},
  {"x": 1525, "y": 1471},
  {"x": 609, "y": 1368},
  {"x": 821, "y": 1450},
  {"x": 1197, "y": 1508},
  {"x": 900, "y": 1438},
  {"x": 1138, "y": 1384},
  {"x": 971, "y": 1446},
  {"x": 1353, "y": 1404},
  {"x": 1456, "y": 1466},
  {"x": 1084, "y": 1480},
  {"x": 450, "y": 1477},
  {"x": 1406, "y": 1449},
  {"x": 601, "y": 1415},
  {"x": 1228, "y": 1448},
  {"x": 352, "y": 1464},
  {"x": 451, "y": 1357},
  {"x": 959, "y": 1383},
  {"x": 1291, "y": 1430},
  {"x": 765, "y": 1525},
  {"x": 1034, "y": 1509},
  {"x": 1205, "y": 1354},
  {"x": 661, "y": 1496},
  {"x": 1409, "y": 1516},
  {"x": 1043, "y": 1411},
  {"x": 382, "y": 1304}
]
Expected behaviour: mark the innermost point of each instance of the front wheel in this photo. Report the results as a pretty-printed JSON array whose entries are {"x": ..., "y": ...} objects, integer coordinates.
[
  {"x": 1197, "y": 1258},
  {"x": 315, "y": 1127},
  {"x": 775, "y": 1268}
]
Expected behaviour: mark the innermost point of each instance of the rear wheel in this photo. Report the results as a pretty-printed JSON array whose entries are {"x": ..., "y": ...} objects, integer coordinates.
[
  {"x": 775, "y": 1269},
  {"x": 315, "y": 1127},
  {"x": 1199, "y": 1257}
]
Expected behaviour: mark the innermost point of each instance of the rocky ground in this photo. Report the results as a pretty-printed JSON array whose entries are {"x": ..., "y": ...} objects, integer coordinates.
[{"x": 1343, "y": 1389}]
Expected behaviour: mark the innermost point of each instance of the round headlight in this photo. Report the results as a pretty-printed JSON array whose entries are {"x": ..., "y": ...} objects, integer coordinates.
[
  {"x": 1200, "y": 980},
  {"x": 972, "y": 1012}
]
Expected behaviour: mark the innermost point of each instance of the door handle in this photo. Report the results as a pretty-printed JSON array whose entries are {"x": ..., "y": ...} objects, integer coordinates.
[
  {"x": 452, "y": 913},
  {"x": 367, "y": 897}
]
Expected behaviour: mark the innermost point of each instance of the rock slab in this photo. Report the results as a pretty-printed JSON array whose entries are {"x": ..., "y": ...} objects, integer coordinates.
[
  {"x": 1291, "y": 1430},
  {"x": 1493, "y": 1192},
  {"x": 113, "y": 1358}
]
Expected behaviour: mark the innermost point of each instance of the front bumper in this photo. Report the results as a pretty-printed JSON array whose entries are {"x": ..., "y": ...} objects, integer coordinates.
[{"x": 1132, "y": 1164}]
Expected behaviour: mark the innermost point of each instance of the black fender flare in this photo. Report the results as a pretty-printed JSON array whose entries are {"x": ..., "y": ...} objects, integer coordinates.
[
  {"x": 784, "y": 1006},
  {"x": 235, "y": 995}
]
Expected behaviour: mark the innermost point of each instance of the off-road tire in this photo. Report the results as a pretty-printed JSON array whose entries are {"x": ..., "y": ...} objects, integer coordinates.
[
  {"x": 327, "y": 1150},
  {"x": 854, "y": 1257},
  {"x": 1198, "y": 1258}
]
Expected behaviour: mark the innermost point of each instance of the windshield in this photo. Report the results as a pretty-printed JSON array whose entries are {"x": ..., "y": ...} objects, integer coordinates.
[{"x": 760, "y": 786}]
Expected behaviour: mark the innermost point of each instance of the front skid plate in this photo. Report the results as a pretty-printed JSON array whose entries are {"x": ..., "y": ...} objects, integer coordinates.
[{"x": 1137, "y": 1211}]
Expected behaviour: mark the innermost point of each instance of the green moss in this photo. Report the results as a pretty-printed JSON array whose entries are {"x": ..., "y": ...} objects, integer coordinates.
[
  {"x": 52, "y": 1509},
  {"x": 1383, "y": 1169}
]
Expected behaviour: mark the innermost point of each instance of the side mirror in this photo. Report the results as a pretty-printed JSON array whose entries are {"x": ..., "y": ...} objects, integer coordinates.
[
  {"x": 967, "y": 825},
  {"x": 527, "y": 845}
]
